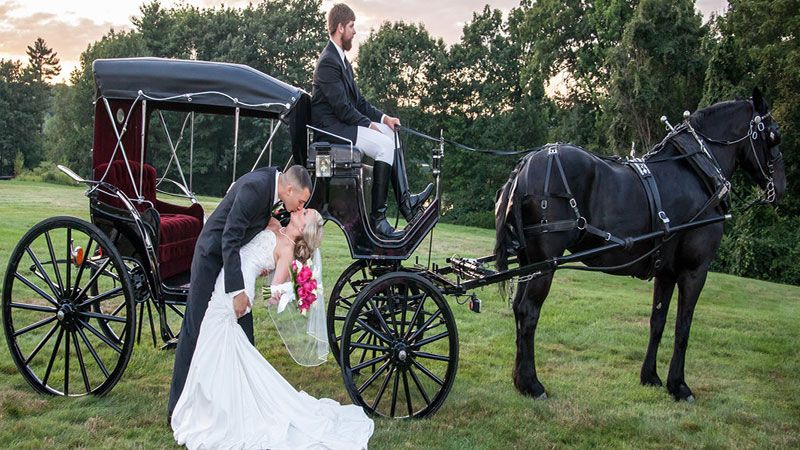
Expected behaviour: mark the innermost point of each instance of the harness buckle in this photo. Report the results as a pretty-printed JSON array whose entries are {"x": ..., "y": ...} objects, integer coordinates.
[
  {"x": 552, "y": 150},
  {"x": 663, "y": 216},
  {"x": 544, "y": 204},
  {"x": 581, "y": 223},
  {"x": 573, "y": 203}
]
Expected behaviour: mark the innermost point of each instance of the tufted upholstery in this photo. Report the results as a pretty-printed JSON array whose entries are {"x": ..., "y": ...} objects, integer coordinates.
[{"x": 179, "y": 226}]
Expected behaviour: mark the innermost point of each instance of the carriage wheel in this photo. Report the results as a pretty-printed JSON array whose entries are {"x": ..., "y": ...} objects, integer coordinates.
[
  {"x": 399, "y": 347},
  {"x": 68, "y": 309},
  {"x": 343, "y": 294}
]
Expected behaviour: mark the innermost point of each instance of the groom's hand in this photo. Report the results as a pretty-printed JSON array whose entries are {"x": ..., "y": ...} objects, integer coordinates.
[{"x": 240, "y": 304}]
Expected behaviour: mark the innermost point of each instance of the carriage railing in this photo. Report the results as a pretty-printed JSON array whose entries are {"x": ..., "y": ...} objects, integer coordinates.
[
  {"x": 101, "y": 187},
  {"x": 187, "y": 187}
]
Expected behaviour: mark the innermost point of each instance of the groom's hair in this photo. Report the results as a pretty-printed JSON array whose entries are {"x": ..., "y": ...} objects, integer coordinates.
[{"x": 298, "y": 177}]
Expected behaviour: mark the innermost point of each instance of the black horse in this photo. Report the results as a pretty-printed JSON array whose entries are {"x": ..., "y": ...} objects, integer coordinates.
[{"x": 590, "y": 200}]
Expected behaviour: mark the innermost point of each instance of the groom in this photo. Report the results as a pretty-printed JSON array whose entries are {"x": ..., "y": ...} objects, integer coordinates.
[{"x": 244, "y": 211}]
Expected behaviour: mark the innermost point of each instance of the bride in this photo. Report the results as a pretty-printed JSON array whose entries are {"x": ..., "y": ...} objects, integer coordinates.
[{"x": 233, "y": 397}]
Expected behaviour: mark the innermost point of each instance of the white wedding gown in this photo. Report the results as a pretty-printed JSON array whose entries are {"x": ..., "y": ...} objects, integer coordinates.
[{"x": 233, "y": 397}]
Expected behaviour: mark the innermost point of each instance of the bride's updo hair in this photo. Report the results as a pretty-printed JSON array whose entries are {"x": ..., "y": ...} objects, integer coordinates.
[{"x": 311, "y": 238}]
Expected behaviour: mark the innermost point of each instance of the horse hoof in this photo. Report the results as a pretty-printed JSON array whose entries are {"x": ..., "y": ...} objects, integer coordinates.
[
  {"x": 690, "y": 399},
  {"x": 543, "y": 396}
]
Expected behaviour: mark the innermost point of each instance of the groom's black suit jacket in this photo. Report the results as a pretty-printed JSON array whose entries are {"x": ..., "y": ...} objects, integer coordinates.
[
  {"x": 337, "y": 105},
  {"x": 243, "y": 212}
]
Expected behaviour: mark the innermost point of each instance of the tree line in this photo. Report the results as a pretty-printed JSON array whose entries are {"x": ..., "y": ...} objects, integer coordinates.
[{"x": 598, "y": 74}]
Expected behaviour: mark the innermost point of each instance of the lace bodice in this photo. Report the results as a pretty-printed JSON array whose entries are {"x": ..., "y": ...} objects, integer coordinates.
[{"x": 256, "y": 256}]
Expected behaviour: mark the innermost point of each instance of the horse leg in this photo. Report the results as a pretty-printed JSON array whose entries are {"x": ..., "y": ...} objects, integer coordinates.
[
  {"x": 527, "y": 305},
  {"x": 662, "y": 294},
  {"x": 690, "y": 283}
]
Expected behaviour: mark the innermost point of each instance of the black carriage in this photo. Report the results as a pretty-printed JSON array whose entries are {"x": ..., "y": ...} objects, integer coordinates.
[{"x": 73, "y": 285}]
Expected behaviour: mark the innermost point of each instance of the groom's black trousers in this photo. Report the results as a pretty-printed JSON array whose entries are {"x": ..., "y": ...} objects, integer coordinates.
[{"x": 204, "y": 275}]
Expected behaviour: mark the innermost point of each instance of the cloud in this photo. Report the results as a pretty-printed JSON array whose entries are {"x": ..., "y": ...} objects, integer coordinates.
[{"x": 66, "y": 34}]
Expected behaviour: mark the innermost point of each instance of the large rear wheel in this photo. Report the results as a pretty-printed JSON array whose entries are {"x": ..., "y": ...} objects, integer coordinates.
[{"x": 68, "y": 308}]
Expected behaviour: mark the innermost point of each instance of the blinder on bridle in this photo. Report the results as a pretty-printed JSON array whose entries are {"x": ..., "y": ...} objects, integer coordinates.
[{"x": 770, "y": 134}]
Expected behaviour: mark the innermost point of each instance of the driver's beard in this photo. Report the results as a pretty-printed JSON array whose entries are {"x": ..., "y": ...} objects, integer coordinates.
[{"x": 347, "y": 44}]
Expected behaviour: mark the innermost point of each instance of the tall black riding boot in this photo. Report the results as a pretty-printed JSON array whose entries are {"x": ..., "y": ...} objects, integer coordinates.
[
  {"x": 408, "y": 203},
  {"x": 380, "y": 188}
]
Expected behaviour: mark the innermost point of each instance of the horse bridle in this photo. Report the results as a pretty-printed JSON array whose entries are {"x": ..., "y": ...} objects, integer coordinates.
[{"x": 758, "y": 130}]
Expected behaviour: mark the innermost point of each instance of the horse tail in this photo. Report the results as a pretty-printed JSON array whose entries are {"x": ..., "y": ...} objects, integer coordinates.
[{"x": 508, "y": 236}]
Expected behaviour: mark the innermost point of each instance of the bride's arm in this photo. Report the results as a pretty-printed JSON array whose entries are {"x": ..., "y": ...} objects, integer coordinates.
[{"x": 283, "y": 257}]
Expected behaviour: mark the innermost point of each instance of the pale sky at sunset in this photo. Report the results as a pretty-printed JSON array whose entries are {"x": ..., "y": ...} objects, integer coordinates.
[{"x": 68, "y": 27}]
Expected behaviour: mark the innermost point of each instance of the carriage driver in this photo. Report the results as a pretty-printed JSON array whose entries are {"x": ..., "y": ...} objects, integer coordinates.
[{"x": 338, "y": 107}]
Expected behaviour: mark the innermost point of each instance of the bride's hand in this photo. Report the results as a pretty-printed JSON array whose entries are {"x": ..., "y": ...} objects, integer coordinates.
[{"x": 273, "y": 300}]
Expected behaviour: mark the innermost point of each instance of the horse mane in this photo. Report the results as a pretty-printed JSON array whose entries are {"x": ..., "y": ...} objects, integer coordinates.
[{"x": 712, "y": 113}]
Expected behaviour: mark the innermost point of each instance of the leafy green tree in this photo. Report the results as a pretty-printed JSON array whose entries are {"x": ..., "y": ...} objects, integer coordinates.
[
  {"x": 69, "y": 134},
  {"x": 658, "y": 69},
  {"x": 569, "y": 44},
  {"x": 43, "y": 62},
  {"x": 20, "y": 114}
]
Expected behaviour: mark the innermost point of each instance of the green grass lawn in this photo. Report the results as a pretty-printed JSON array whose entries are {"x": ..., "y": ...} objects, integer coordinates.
[{"x": 742, "y": 364}]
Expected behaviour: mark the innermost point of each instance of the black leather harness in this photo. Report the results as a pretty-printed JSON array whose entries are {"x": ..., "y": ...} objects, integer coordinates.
[{"x": 689, "y": 147}]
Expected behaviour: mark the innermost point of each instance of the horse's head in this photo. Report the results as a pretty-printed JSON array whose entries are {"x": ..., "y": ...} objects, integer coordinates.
[{"x": 749, "y": 128}]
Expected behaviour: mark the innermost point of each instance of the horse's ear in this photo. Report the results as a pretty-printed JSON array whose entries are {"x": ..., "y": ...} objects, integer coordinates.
[{"x": 758, "y": 101}]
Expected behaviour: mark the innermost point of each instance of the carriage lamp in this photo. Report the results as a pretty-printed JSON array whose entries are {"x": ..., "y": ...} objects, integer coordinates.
[
  {"x": 77, "y": 256},
  {"x": 323, "y": 164}
]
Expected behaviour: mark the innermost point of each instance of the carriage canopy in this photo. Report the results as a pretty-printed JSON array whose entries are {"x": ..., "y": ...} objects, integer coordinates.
[{"x": 214, "y": 87}]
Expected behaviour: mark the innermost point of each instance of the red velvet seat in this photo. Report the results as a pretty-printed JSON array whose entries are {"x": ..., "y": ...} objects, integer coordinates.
[{"x": 179, "y": 226}]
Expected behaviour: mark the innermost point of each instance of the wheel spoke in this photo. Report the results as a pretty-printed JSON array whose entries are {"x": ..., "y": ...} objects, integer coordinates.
[
  {"x": 394, "y": 392},
  {"x": 35, "y": 288},
  {"x": 380, "y": 318},
  {"x": 41, "y": 270},
  {"x": 69, "y": 256},
  {"x": 370, "y": 347},
  {"x": 41, "y": 344},
  {"x": 371, "y": 362},
  {"x": 86, "y": 259},
  {"x": 93, "y": 352},
  {"x": 427, "y": 372},
  {"x": 375, "y": 332},
  {"x": 432, "y": 356},
  {"x": 34, "y": 326},
  {"x": 373, "y": 377},
  {"x": 414, "y": 317},
  {"x": 408, "y": 395},
  {"x": 382, "y": 388},
  {"x": 353, "y": 345},
  {"x": 428, "y": 340},
  {"x": 80, "y": 362},
  {"x": 424, "y": 326},
  {"x": 419, "y": 386},
  {"x": 53, "y": 355},
  {"x": 102, "y": 297},
  {"x": 66, "y": 365},
  {"x": 54, "y": 261},
  {"x": 93, "y": 280},
  {"x": 30, "y": 307},
  {"x": 99, "y": 316},
  {"x": 100, "y": 336}
]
